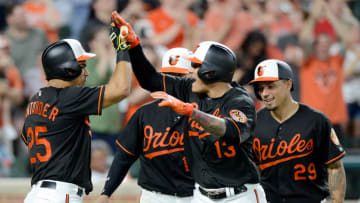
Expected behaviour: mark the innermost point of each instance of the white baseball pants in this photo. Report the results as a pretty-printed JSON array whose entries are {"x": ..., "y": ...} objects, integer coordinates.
[{"x": 47, "y": 193}]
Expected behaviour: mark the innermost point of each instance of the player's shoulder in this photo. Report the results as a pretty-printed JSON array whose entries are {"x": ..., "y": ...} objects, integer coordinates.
[
  {"x": 239, "y": 94},
  {"x": 310, "y": 112},
  {"x": 263, "y": 114},
  {"x": 75, "y": 91},
  {"x": 44, "y": 94},
  {"x": 150, "y": 106},
  {"x": 150, "y": 109},
  {"x": 262, "y": 111}
]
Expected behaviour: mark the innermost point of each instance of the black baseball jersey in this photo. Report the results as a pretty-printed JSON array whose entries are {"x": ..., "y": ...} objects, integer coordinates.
[
  {"x": 293, "y": 155},
  {"x": 57, "y": 132},
  {"x": 213, "y": 162},
  {"x": 155, "y": 135}
]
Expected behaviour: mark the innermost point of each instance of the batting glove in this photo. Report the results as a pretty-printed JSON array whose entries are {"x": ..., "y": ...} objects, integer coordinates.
[
  {"x": 126, "y": 30},
  {"x": 120, "y": 47},
  {"x": 176, "y": 105}
]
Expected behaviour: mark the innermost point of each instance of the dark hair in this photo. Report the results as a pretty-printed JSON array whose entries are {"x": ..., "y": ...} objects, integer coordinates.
[
  {"x": 253, "y": 37},
  {"x": 10, "y": 8}
]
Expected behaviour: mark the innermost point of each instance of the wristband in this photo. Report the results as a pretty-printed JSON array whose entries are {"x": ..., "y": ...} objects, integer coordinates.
[{"x": 122, "y": 55}]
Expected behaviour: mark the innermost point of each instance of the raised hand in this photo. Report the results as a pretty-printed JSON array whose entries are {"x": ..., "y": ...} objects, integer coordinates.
[
  {"x": 126, "y": 30},
  {"x": 177, "y": 105},
  {"x": 116, "y": 35}
]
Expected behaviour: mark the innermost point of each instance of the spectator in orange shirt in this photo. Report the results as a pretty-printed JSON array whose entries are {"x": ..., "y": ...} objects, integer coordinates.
[
  {"x": 321, "y": 80},
  {"x": 173, "y": 24}
]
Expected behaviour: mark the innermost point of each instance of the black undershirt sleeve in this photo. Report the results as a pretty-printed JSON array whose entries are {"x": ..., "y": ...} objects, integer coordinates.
[
  {"x": 118, "y": 170},
  {"x": 144, "y": 71}
]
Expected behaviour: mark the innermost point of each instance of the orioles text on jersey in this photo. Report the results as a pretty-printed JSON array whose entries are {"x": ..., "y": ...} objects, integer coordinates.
[{"x": 283, "y": 152}]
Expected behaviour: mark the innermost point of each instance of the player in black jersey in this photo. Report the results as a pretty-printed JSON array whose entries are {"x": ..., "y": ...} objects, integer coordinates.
[
  {"x": 57, "y": 129},
  {"x": 164, "y": 174},
  {"x": 218, "y": 122},
  {"x": 297, "y": 150}
]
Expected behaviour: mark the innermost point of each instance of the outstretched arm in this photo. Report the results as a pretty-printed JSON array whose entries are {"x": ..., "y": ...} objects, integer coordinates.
[
  {"x": 144, "y": 71},
  {"x": 212, "y": 124},
  {"x": 337, "y": 182},
  {"x": 118, "y": 170}
]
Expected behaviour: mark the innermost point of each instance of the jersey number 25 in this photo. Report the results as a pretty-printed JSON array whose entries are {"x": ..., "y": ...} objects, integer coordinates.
[{"x": 39, "y": 141}]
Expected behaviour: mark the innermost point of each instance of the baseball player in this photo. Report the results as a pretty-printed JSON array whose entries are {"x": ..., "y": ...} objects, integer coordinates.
[
  {"x": 154, "y": 135},
  {"x": 219, "y": 120},
  {"x": 57, "y": 129},
  {"x": 295, "y": 147}
]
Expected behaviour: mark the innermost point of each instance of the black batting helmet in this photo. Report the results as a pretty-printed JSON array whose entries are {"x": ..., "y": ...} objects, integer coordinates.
[
  {"x": 272, "y": 70},
  {"x": 60, "y": 59},
  {"x": 217, "y": 61}
]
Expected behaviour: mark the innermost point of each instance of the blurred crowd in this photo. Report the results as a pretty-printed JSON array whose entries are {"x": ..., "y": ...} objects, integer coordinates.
[{"x": 320, "y": 39}]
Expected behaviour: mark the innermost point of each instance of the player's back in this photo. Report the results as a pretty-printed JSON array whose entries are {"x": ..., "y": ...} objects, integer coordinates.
[{"x": 57, "y": 132}]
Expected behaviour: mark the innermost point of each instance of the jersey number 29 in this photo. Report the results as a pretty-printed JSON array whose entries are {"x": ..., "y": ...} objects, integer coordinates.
[
  {"x": 39, "y": 141},
  {"x": 301, "y": 170}
]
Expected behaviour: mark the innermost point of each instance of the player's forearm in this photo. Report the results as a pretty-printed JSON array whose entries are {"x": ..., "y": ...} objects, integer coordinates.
[
  {"x": 119, "y": 85},
  {"x": 144, "y": 71},
  {"x": 118, "y": 170},
  {"x": 337, "y": 182},
  {"x": 212, "y": 124}
]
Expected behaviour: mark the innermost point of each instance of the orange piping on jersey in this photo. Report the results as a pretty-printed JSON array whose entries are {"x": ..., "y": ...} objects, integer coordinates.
[
  {"x": 273, "y": 163},
  {"x": 123, "y": 148},
  {"x": 257, "y": 196},
  {"x": 86, "y": 120},
  {"x": 336, "y": 158},
  {"x": 237, "y": 127},
  {"x": 67, "y": 198},
  {"x": 163, "y": 152},
  {"x": 99, "y": 102},
  {"x": 193, "y": 133},
  {"x": 203, "y": 135},
  {"x": 164, "y": 83},
  {"x": 26, "y": 142}
]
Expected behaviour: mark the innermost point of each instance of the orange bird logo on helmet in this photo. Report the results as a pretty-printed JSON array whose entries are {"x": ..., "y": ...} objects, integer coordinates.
[
  {"x": 260, "y": 71},
  {"x": 173, "y": 59}
]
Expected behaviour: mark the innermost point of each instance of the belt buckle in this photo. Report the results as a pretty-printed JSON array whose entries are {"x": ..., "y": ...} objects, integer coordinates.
[{"x": 215, "y": 194}]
